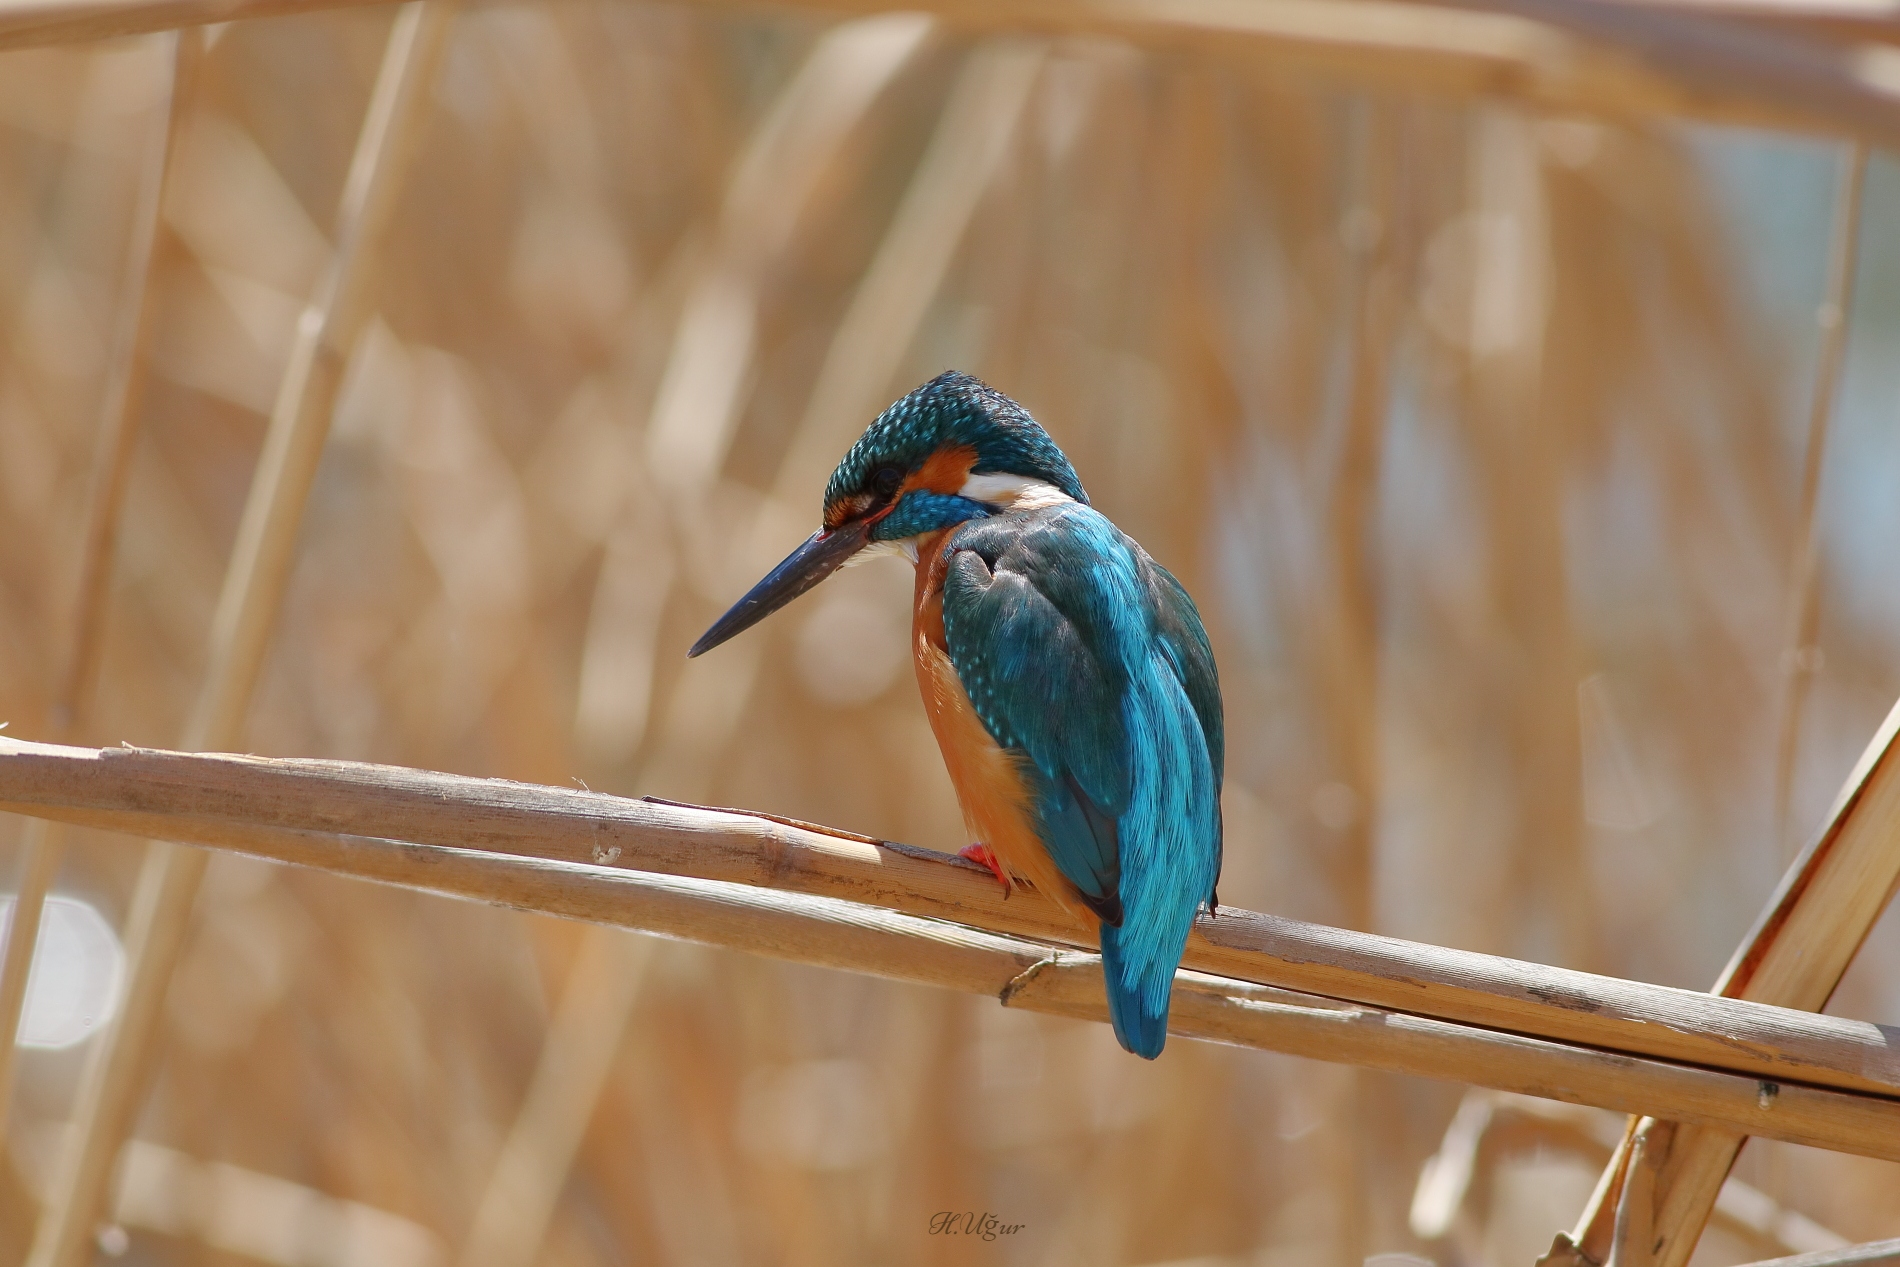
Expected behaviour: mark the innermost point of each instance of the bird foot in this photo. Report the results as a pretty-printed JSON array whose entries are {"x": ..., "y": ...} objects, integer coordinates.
[{"x": 982, "y": 857}]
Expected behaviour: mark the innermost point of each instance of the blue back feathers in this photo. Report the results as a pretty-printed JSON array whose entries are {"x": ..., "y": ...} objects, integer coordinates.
[
  {"x": 1085, "y": 656},
  {"x": 1082, "y": 656}
]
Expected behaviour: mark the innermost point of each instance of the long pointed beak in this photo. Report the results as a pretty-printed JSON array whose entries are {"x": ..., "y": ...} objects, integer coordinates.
[{"x": 822, "y": 554}]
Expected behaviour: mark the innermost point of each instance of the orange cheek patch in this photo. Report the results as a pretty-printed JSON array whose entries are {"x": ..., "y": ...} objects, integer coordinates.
[
  {"x": 847, "y": 509},
  {"x": 943, "y": 472}
]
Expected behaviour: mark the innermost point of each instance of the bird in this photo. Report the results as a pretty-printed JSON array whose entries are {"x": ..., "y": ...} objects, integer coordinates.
[{"x": 1067, "y": 676}]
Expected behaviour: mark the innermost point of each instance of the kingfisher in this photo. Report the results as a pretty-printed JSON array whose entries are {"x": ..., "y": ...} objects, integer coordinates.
[{"x": 1067, "y": 676}]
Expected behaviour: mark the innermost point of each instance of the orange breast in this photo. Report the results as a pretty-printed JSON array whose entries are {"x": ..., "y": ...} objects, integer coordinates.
[{"x": 990, "y": 790}]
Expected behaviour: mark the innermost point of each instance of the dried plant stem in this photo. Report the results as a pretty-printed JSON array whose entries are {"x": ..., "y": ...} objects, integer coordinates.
[
  {"x": 118, "y": 1068},
  {"x": 1796, "y": 954},
  {"x": 783, "y": 164},
  {"x": 1801, "y": 651},
  {"x": 785, "y": 161},
  {"x": 1870, "y": 1254},
  {"x": 41, "y": 851},
  {"x": 41, "y": 846},
  {"x": 699, "y": 400},
  {"x": 1563, "y": 54},
  {"x": 957, "y": 168},
  {"x": 906, "y": 272},
  {"x": 237, "y": 802},
  {"x": 1632, "y": 1235},
  {"x": 597, "y": 1000},
  {"x": 1346, "y": 655},
  {"x": 1692, "y": 1180},
  {"x": 1022, "y": 972}
]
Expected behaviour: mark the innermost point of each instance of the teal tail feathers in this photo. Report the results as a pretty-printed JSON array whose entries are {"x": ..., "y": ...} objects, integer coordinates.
[{"x": 1137, "y": 996}]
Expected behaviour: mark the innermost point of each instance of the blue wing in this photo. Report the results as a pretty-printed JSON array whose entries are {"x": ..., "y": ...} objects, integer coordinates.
[{"x": 1081, "y": 653}]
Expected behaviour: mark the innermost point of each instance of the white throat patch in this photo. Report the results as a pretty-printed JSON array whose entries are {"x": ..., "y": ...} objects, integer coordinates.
[
  {"x": 902, "y": 548},
  {"x": 1012, "y": 492}
]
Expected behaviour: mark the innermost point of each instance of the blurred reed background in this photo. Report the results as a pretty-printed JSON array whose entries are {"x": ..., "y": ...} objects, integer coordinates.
[{"x": 1475, "y": 427}]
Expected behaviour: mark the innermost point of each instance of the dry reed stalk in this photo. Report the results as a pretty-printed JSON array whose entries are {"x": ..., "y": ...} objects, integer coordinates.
[
  {"x": 1348, "y": 645},
  {"x": 905, "y": 273},
  {"x": 118, "y": 1067},
  {"x": 662, "y": 1153},
  {"x": 1042, "y": 977},
  {"x": 41, "y": 847},
  {"x": 1488, "y": 1127},
  {"x": 802, "y": 137},
  {"x": 1564, "y": 54},
  {"x": 223, "y": 800},
  {"x": 1632, "y": 1236},
  {"x": 1804, "y": 609},
  {"x": 958, "y": 167},
  {"x": 697, "y": 405},
  {"x": 1524, "y": 459},
  {"x": 696, "y": 408},
  {"x": 598, "y": 997},
  {"x": 887, "y": 308},
  {"x": 1870, "y": 1254},
  {"x": 1801, "y": 945}
]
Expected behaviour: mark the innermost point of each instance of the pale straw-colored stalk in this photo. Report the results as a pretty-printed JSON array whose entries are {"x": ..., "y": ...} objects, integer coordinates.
[
  {"x": 1690, "y": 1166},
  {"x": 118, "y": 1067},
  {"x": 889, "y": 305},
  {"x": 41, "y": 847},
  {"x": 1801, "y": 653},
  {"x": 939, "y": 921}
]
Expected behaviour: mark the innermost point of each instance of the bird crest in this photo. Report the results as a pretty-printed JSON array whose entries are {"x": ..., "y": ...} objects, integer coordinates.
[{"x": 952, "y": 415}]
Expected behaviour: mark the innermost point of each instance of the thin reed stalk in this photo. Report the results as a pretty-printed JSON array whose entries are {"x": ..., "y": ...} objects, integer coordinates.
[
  {"x": 1801, "y": 655},
  {"x": 904, "y": 275},
  {"x": 806, "y": 132},
  {"x": 118, "y": 1068},
  {"x": 1870, "y": 1254},
  {"x": 958, "y": 167},
  {"x": 599, "y": 995},
  {"x": 41, "y": 848}
]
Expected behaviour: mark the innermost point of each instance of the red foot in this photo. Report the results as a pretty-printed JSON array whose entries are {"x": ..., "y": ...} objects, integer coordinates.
[{"x": 981, "y": 855}]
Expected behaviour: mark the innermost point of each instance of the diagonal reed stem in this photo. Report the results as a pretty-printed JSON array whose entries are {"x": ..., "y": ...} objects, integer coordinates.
[
  {"x": 1794, "y": 957},
  {"x": 41, "y": 846},
  {"x": 118, "y": 1068},
  {"x": 958, "y": 166}
]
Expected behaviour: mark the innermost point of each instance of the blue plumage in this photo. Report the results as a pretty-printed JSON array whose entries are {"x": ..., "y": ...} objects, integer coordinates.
[
  {"x": 1082, "y": 653},
  {"x": 955, "y": 409},
  {"x": 1080, "y": 658},
  {"x": 923, "y": 511}
]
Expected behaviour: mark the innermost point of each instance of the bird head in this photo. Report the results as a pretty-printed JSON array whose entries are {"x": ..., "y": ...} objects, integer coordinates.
[{"x": 952, "y": 450}]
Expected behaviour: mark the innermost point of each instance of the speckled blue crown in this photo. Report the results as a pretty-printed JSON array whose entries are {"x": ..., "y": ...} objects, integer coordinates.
[{"x": 955, "y": 409}]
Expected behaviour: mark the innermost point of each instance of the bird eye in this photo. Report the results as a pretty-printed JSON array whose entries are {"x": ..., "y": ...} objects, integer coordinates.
[{"x": 886, "y": 480}]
